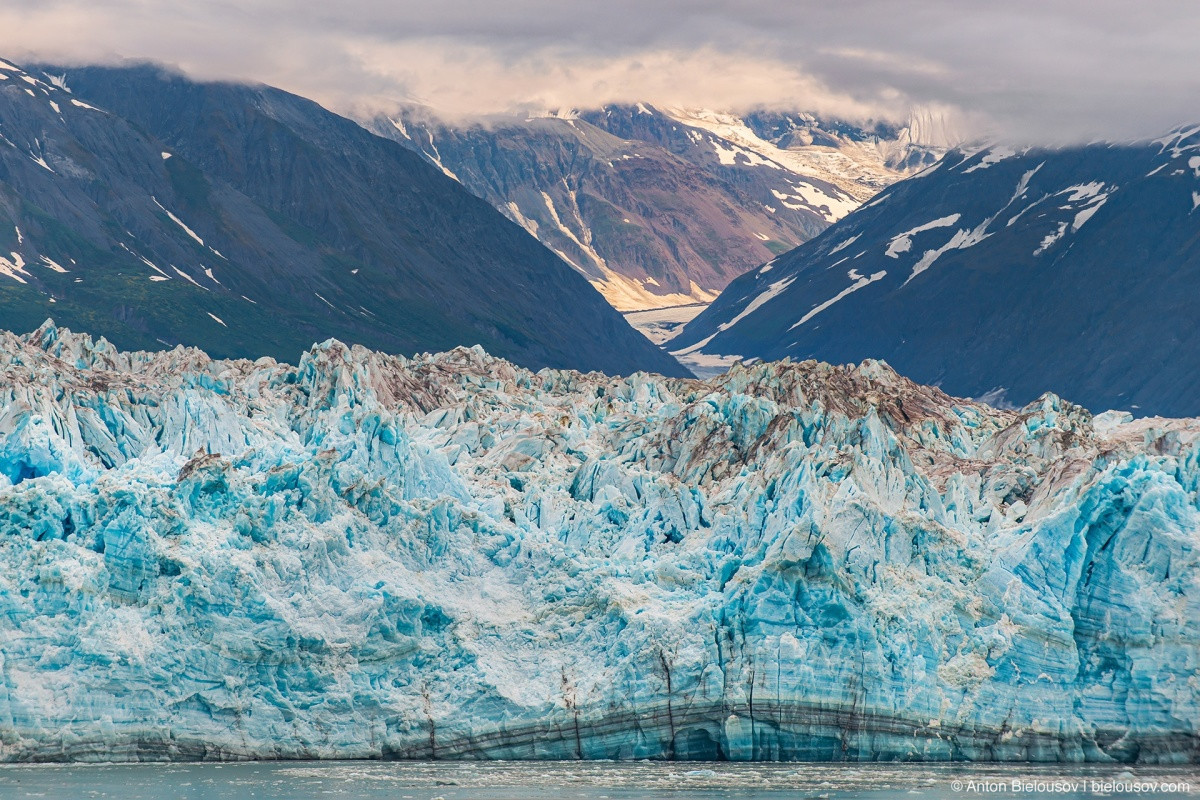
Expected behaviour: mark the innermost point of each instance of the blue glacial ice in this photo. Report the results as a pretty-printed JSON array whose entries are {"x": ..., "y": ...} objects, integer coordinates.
[{"x": 447, "y": 556}]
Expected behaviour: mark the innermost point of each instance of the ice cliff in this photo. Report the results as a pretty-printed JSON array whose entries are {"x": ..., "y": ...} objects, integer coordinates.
[{"x": 450, "y": 557}]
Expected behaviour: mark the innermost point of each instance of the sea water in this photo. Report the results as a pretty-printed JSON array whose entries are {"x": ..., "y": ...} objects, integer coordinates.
[{"x": 587, "y": 781}]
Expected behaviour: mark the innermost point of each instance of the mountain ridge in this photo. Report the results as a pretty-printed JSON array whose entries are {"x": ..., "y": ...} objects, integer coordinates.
[
  {"x": 1001, "y": 272},
  {"x": 254, "y": 221},
  {"x": 661, "y": 207}
]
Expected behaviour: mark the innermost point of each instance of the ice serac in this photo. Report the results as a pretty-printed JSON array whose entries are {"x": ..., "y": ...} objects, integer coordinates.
[{"x": 451, "y": 557}]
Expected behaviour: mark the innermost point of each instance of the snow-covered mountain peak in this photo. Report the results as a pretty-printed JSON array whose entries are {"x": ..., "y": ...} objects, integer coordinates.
[
  {"x": 857, "y": 165},
  {"x": 662, "y": 207}
]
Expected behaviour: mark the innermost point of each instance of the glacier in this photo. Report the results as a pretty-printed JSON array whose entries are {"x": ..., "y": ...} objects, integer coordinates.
[{"x": 447, "y": 556}]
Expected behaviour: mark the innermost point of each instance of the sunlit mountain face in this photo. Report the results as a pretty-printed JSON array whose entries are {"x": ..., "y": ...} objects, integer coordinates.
[{"x": 663, "y": 207}]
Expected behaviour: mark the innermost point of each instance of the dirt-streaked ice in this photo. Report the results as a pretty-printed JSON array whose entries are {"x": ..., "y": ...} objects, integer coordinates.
[{"x": 447, "y": 556}]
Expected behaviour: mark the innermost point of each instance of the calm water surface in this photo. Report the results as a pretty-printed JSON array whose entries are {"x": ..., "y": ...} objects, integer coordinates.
[{"x": 587, "y": 781}]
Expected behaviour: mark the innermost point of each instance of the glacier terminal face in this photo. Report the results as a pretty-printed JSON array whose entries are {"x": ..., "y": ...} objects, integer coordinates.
[{"x": 367, "y": 556}]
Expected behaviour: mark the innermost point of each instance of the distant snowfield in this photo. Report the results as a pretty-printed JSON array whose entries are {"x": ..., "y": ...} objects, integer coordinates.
[
  {"x": 851, "y": 169},
  {"x": 661, "y": 325},
  {"x": 706, "y": 365}
]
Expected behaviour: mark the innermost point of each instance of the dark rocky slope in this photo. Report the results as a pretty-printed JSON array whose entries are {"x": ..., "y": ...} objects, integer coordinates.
[
  {"x": 249, "y": 221},
  {"x": 1001, "y": 274}
]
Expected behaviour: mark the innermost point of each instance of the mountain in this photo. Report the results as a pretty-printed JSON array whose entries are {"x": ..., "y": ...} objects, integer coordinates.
[
  {"x": 1001, "y": 274},
  {"x": 367, "y": 556},
  {"x": 158, "y": 211},
  {"x": 663, "y": 207}
]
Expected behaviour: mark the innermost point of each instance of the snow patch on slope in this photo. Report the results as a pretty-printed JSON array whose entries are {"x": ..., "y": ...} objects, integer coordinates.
[
  {"x": 14, "y": 267},
  {"x": 961, "y": 240},
  {"x": 844, "y": 244},
  {"x": 855, "y": 169},
  {"x": 623, "y": 292},
  {"x": 992, "y": 157},
  {"x": 770, "y": 293},
  {"x": 51, "y": 264},
  {"x": 902, "y": 242},
  {"x": 179, "y": 222},
  {"x": 860, "y": 281},
  {"x": 695, "y": 355}
]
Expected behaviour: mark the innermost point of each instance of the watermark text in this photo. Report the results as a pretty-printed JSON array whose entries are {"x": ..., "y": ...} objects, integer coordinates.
[{"x": 1070, "y": 786}]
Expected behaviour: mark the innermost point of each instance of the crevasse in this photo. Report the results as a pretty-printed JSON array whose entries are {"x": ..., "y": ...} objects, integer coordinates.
[{"x": 450, "y": 557}]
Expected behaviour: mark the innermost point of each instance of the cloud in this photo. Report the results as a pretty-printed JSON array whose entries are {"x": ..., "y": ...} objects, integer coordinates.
[
  {"x": 1034, "y": 71},
  {"x": 472, "y": 79}
]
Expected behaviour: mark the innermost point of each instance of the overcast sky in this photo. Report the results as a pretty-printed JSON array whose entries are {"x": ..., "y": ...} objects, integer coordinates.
[{"x": 1029, "y": 70}]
